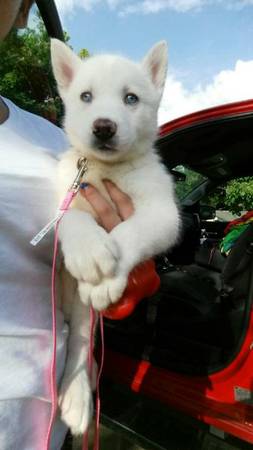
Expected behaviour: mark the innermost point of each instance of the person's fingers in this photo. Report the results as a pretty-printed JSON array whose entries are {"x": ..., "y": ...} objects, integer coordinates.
[
  {"x": 121, "y": 200},
  {"x": 108, "y": 217}
]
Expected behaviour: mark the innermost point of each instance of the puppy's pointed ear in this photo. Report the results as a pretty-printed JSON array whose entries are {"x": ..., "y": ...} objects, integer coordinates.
[
  {"x": 155, "y": 63},
  {"x": 65, "y": 63}
]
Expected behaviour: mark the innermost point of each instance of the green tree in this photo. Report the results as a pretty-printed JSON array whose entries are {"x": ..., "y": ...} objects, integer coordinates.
[
  {"x": 83, "y": 53},
  {"x": 235, "y": 196},
  {"x": 26, "y": 76},
  {"x": 239, "y": 195}
]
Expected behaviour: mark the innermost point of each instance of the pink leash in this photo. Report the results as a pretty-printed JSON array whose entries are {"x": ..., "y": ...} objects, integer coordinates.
[
  {"x": 53, "y": 385},
  {"x": 90, "y": 368},
  {"x": 98, "y": 402}
]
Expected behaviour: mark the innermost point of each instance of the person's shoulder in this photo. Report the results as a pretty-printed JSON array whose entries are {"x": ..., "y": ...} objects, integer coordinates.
[
  {"x": 41, "y": 130},
  {"x": 54, "y": 135}
]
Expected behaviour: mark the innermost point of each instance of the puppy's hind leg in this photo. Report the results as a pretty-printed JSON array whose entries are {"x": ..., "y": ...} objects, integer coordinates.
[{"x": 75, "y": 397}]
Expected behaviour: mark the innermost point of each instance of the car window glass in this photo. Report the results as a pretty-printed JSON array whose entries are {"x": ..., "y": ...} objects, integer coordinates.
[
  {"x": 189, "y": 181},
  {"x": 234, "y": 197}
]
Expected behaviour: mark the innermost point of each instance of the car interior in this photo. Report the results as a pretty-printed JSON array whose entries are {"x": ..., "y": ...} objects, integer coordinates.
[{"x": 196, "y": 322}]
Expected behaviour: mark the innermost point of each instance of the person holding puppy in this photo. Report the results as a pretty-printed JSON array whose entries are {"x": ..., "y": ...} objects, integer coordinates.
[{"x": 29, "y": 149}]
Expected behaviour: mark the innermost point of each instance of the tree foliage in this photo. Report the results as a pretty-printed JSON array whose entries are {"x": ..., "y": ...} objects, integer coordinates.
[
  {"x": 26, "y": 76},
  {"x": 235, "y": 196}
]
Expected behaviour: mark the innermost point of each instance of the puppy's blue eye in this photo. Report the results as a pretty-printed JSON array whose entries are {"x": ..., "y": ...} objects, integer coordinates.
[
  {"x": 131, "y": 99},
  {"x": 86, "y": 97}
]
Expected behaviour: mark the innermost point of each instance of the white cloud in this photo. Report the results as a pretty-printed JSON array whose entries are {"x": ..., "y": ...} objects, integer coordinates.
[
  {"x": 179, "y": 6},
  {"x": 238, "y": 4},
  {"x": 154, "y": 6},
  {"x": 68, "y": 6},
  {"x": 125, "y": 7},
  {"x": 227, "y": 86}
]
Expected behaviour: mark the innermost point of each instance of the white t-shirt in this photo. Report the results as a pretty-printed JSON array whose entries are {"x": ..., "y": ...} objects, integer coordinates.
[{"x": 29, "y": 147}]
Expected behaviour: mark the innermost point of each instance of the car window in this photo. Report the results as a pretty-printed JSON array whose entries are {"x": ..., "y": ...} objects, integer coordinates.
[
  {"x": 232, "y": 198},
  {"x": 190, "y": 180}
]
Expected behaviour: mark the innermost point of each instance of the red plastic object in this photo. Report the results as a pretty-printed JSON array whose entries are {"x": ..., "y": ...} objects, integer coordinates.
[{"x": 143, "y": 282}]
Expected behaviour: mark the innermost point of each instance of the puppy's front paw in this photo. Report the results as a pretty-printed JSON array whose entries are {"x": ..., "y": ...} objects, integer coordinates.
[
  {"x": 75, "y": 401},
  {"x": 108, "y": 291},
  {"x": 93, "y": 258}
]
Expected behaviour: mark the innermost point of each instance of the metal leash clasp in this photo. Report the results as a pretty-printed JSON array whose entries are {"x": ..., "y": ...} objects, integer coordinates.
[{"x": 82, "y": 165}]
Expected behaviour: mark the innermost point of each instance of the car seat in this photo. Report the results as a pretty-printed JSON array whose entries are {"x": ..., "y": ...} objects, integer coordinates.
[
  {"x": 195, "y": 321},
  {"x": 207, "y": 306}
]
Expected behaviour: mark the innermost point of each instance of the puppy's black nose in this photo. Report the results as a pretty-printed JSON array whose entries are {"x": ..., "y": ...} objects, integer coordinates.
[{"x": 104, "y": 129}]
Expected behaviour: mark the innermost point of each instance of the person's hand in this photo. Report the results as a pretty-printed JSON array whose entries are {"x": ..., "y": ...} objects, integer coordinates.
[{"x": 108, "y": 216}]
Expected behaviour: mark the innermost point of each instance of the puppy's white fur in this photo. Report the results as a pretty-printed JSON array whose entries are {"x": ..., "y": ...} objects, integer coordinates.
[{"x": 101, "y": 261}]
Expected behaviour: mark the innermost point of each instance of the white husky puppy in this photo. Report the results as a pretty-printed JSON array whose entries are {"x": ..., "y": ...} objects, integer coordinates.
[{"x": 111, "y": 108}]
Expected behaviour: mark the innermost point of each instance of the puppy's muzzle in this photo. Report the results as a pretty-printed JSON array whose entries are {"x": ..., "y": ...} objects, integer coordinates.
[{"x": 104, "y": 129}]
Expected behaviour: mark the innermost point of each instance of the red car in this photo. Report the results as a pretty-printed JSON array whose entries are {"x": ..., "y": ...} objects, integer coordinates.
[{"x": 188, "y": 350}]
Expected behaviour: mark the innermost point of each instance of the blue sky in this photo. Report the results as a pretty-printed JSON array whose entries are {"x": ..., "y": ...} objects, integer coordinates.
[{"x": 210, "y": 42}]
